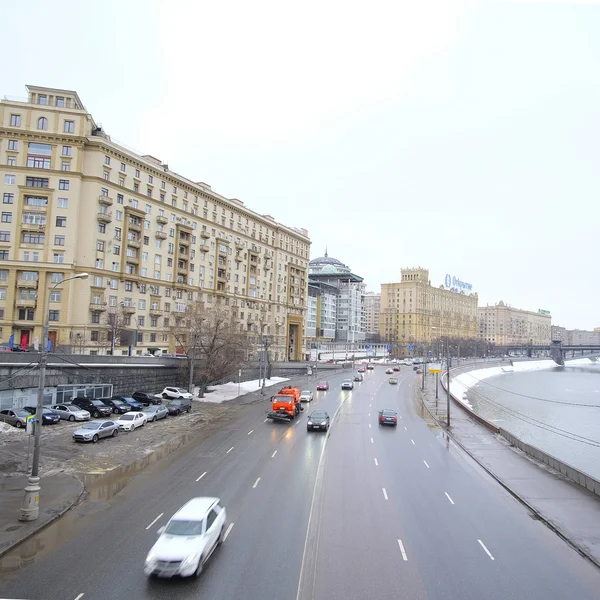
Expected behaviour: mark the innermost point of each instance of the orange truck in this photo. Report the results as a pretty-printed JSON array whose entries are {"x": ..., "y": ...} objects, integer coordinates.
[{"x": 286, "y": 404}]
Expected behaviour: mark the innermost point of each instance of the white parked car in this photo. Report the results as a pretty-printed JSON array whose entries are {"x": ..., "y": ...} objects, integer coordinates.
[
  {"x": 173, "y": 392},
  {"x": 188, "y": 539},
  {"x": 306, "y": 396},
  {"x": 132, "y": 420}
]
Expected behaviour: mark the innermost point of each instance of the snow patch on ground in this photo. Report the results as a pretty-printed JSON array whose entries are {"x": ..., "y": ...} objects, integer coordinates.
[
  {"x": 574, "y": 362},
  {"x": 229, "y": 391},
  {"x": 6, "y": 429}
]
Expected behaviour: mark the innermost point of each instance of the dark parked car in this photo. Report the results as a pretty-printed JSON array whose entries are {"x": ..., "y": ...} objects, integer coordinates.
[
  {"x": 134, "y": 404},
  {"x": 48, "y": 417},
  {"x": 176, "y": 407},
  {"x": 388, "y": 417},
  {"x": 96, "y": 408},
  {"x": 117, "y": 406},
  {"x": 318, "y": 419},
  {"x": 146, "y": 398}
]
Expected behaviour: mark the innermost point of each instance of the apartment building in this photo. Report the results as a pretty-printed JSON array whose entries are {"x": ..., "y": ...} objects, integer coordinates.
[
  {"x": 322, "y": 312},
  {"x": 372, "y": 307},
  {"x": 505, "y": 325},
  {"x": 576, "y": 337},
  {"x": 414, "y": 313},
  {"x": 151, "y": 240}
]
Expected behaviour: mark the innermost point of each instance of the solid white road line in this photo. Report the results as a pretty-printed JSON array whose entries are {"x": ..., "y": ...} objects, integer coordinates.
[
  {"x": 274, "y": 453},
  {"x": 256, "y": 483},
  {"x": 486, "y": 550},
  {"x": 79, "y": 596},
  {"x": 201, "y": 476},
  {"x": 228, "y": 531},
  {"x": 447, "y": 496},
  {"x": 413, "y": 442},
  {"x": 384, "y": 493},
  {"x": 376, "y": 463},
  {"x": 230, "y": 449},
  {"x": 250, "y": 431},
  {"x": 401, "y": 545},
  {"x": 371, "y": 440},
  {"x": 426, "y": 464},
  {"x": 157, "y": 518}
]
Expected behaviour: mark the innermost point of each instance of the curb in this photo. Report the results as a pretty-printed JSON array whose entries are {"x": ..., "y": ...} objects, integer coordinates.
[{"x": 539, "y": 516}]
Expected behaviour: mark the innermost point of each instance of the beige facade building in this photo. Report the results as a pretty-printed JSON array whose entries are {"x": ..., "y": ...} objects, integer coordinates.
[
  {"x": 413, "y": 312},
  {"x": 372, "y": 308},
  {"x": 576, "y": 337},
  {"x": 151, "y": 240},
  {"x": 504, "y": 325}
]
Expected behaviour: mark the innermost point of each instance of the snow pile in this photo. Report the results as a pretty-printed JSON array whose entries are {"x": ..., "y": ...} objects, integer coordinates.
[
  {"x": 6, "y": 430},
  {"x": 228, "y": 391},
  {"x": 577, "y": 362}
]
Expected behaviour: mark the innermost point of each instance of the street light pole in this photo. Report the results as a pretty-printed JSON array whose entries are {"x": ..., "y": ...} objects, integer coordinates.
[{"x": 30, "y": 509}]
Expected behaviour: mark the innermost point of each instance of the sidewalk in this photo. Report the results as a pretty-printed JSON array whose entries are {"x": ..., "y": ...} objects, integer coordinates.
[{"x": 567, "y": 508}]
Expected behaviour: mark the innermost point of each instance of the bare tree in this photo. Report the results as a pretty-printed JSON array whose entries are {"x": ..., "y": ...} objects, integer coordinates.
[
  {"x": 115, "y": 324},
  {"x": 211, "y": 342}
]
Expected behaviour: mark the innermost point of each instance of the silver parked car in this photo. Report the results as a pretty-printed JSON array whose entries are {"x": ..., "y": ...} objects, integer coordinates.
[
  {"x": 16, "y": 417},
  {"x": 69, "y": 412},
  {"x": 94, "y": 430},
  {"x": 154, "y": 412}
]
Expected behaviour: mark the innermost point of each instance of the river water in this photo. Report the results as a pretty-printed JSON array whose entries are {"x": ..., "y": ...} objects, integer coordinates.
[{"x": 555, "y": 409}]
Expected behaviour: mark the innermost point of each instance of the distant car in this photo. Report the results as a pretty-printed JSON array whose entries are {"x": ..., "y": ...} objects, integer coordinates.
[
  {"x": 134, "y": 404},
  {"x": 70, "y": 412},
  {"x": 94, "y": 430},
  {"x": 358, "y": 377},
  {"x": 389, "y": 371},
  {"x": 132, "y": 420},
  {"x": 48, "y": 417},
  {"x": 415, "y": 368},
  {"x": 393, "y": 380},
  {"x": 318, "y": 419},
  {"x": 5, "y": 349},
  {"x": 347, "y": 384},
  {"x": 176, "y": 407},
  {"x": 419, "y": 371},
  {"x": 388, "y": 417},
  {"x": 118, "y": 406},
  {"x": 188, "y": 539},
  {"x": 146, "y": 398},
  {"x": 16, "y": 417},
  {"x": 96, "y": 408},
  {"x": 155, "y": 412},
  {"x": 396, "y": 368},
  {"x": 306, "y": 396},
  {"x": 361, "y": 369},
  {"x": 322, "y": 386},
  {"x": 370, "y": 367},
  {"x": 178, "y": 393}
]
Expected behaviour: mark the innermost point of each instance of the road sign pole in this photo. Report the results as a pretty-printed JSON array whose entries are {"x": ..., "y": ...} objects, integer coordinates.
[{"x": 436, "y": 386}]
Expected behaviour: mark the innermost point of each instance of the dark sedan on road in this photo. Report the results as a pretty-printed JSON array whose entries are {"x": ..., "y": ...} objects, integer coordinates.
[
  {"x": 146, "y": 398},
  {"x": 319, "y": 420},
  {"x": 134, "y": 404},
  {"x": 388, "y": 417},
  {"x": 118, "y": 406},
  {"x": 48, "y": 417},
  {"x": 156, "y": 412}
]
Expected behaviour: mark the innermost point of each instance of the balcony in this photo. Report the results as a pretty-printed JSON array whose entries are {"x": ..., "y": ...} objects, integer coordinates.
[
  {"x": 238, "y": 258},
  {"x": 222, "y": 278},
  {"x": 203, "y": 248},
  {"x": 134, "y": 243},
  {"x": 132, "y": 260},
  {"x": 33, "y": 227},
  {"x": 27, "y": 283},
  {"x": 239, "y": 246},
  {"x": 156, "y": 312},
  {"x": 26, "y": 302},
  {"x": 268, "y": 265},
  {"x": 135, "y": 227},
  {"x": 106, "y": 200},
  {"x": 161, "y": 235},
  {"x": 184, "y": 241},
  {"x": 205, "y": 235},
  {"x": 182, "y": 271},
  {"x": 35, "y": 208},
  {"x": 128, "y": 310},
  {"x": 162, "y": 219},
  {"x": 97, "y": 306},
  {"x": 104, "y": 217}
]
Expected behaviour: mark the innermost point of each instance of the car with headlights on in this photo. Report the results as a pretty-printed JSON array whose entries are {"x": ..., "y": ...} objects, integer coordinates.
[
  {"x": 155, "y": 412},
  {"x": 358, "y": 377},
  {"x": 322, "y": 386},
  {"x": 370, "y": 367},
  {"x": 174, "y": 392},
  {"x": 361, "y": 369},
  {"x": 95, "y": 430},
  {"x": 188, "y": 540},
  {"x": 16, "y": 417},
  {"x": 70, "y": 412},
  {"x": 318, "y": 419},
  {"x": 388, "y": 417},
  {"x": 389, "y": 371},
  {"x": 347, "y": 384},
  {"x": 48, "y": 417},
  {"x": 306, "y": 396},
  {"x": 132, "y": 420},
  {"x": 96, "y": 408},
  {"x": 118, "y": 406}
]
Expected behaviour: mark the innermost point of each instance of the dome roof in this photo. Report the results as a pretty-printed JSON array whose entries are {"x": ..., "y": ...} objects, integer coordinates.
[{"x": 326, "y": 260}]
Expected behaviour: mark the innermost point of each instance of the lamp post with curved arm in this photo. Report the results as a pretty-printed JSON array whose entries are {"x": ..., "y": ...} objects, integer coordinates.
[{"x": 30, "y": 509}]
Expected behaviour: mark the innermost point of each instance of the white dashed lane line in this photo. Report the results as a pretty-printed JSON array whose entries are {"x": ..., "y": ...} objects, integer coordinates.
[
  {"x": 201, "y": 476},
  {"x": 401, "y": 546},
  {"x": 426, "y": 464},
  {"x": 384, "y": 493},
  {"x": 371, "y": 440},
  {"x": 230, "y": 449},
  {"x": 79, "y": 596},
  {"x": 251, "y": 431},
  {"x": 274, "y": 453},
  {"x": 228, "y": 531},
  {"x": 447, "y": 496},
  {"x": 376, "y": 463},
  {"x": 157, "y": 518},
  {"x": 413, "y": 442},
  {"x": 256, "y": 483},
  {"x": 486, "y": 550}
]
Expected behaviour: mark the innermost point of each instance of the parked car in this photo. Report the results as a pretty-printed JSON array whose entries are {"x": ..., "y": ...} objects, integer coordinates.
[
  {"x": 132, "y": 420},
  {"x": 70, "y": 412},
  {"x": 48, "y": 417},
  {"x": 173, "y": 392},
  {"x": 146, "y": 398},
  {"x": 118, "y": 406},
  {"x": 318, "y": 419},
  {"x": 134, "y": 404},
  {"x": 154, "y": 412},
  {"x": 96, "y": 408},
  {"x": 393, "y": 380},
  {"x": 187, "y": 541},
  {"x": 5, "y": 348},
  {"x": 176, "y": 407},
  {"x": 388, "y": 417},
  {"x": 306, "y": 396},
  {"x": 370, "y": 367},
  {"x": 322, "y": 386},
  {"x": 16, "y": 417},
  {"x": 358, "y": 377},
  {"x": 94, "y": 430},
  {"x": 389, "y": 371},
  {"x": 347, "y": 384}
]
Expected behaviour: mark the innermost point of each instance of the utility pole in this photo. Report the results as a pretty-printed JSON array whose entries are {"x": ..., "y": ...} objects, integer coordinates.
[
  {"x": 193, "y": 351},
  {"x": 448, "y": 381}
]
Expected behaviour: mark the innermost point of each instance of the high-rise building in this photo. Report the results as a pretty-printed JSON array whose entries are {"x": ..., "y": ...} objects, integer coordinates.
[
  {"x": 505, "y": 325},
  {"x": 576, "y": 337},
  {"x": 151, "y": 240},
  {"x": 414, "y": 313},
  {"x": 321, "y": 313},
  {"x": 372, "y": 305}
]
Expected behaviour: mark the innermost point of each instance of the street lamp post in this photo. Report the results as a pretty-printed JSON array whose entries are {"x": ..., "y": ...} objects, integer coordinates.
[{"x": 30, "y": 509}]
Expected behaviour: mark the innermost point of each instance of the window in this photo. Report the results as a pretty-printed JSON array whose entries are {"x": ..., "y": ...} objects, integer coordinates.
[
  {"x": 39, "y": 182},
  {"x": 119, "y": 215},
  {"x": 120, "y": 198},
  {"x": 63, "y": 203},
  {"x": 97, "y": 281},
  {"x": 104, "y": 192},
  {"x": 137, "y": 173},
  {"x": 13, "y": 145},
  {"x": 116, "y": 249},
  {"x": 146, "y": 240},
  {"x": 65, "y": 165},
  {"x": 61, "y": 221},
  {"x": 101, "y": 228},
  {"x": 136, "y": 187},
  {"x": 15, "y": 120},
  {"x": 60, "y": 101},
  {"x": 114, "y": 284},
  {"x": 94, "y": 336},
  {"x": 123, "y": 167},
  {"x": 106, "y": 175},
  {"x": 148, "y": 209},
  {"x": 154, "y": 324},
  {"x": 8, "y": 198},
  {"x": 42, "y": 123},
  {"x": 4, "y": 236},
  {"x": 115, "y": 267},
  {"x": 53, "y": 315},
  {"x": 59, "y": 258},
  {"x": 163, "y": 185},
  {"x": 121, "y": 181},
  {"x": 107, "y": 160},
  {"x": 144, "y": 256},
  {"x": 26, "y": 314},
  {"x": 6, "y": 217},
  {"x": 134, "y": 203},
  {"x": 67, "y": 150},
  {"x": 141, "y": 304},
  {"x": 59, "y": 240},
  {"x": 11, "y": 161},
  {"x": 69, "y": 127},
  {"x": 139, "y": 337},
  {"x": 95, "y": 317},
  {"x": 38, "y": 162},
  {"x": 117, "y": 233},
  {"x": 141, "y": 321},
  {"x": 42, "y": 99},
  {"x": 2, "y": 296},
  {"x": 149, "y": 192},
  {"x": 9, "y": 180},
  {"x": 100, "y": 246},
  {"x": 33, "y": 238},
  {"x": 63, "y": 184},
  {"x": 56, "y": 277},
  {"x": 150, "y": 179},
  {"x": 99, "y": 263}
]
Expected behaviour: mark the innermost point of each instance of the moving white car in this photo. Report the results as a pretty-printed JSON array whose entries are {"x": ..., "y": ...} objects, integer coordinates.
[
  {"x": 188, "y": 539},
  {"x": 174, "y": 392},
  {"x": 306, "y": 396},
  {"x": 132, "y": 420}
]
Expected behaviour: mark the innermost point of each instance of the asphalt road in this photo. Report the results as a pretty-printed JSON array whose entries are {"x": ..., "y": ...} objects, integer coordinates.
[{"x": 395, "y": 513}]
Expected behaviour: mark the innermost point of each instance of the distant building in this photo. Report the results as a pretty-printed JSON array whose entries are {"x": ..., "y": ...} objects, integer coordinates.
[
  {"x": 576, "y": 337},
  {"x": 505, "y": 325},
  {"x": 372, "y": 306},
  {"x": 322, "y": 311}
]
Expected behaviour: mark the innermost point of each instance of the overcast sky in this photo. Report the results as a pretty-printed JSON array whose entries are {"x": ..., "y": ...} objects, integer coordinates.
[{"x": 455, "y": 135}]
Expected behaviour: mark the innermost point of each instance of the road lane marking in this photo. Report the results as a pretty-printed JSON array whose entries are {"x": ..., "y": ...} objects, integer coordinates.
[
  {"x": 157, "y": 518},
  {"x": 256, "y": 483},
  {"x": 79, "y": 596},
  {"x": 201, "y": 476},
  {"x": 447, "y": 496},
  {"x": 376, "y": 463},
  {"x": 298, "y": 423},
  {"x": 369, "y": 414},
  {"x": 405, "y": 428},
  {"x": 265, "y": 420},
  {"x": 486, "y": 550},
  {"x": 426, "y": 464},
  {"x": 401, "y": 545},
  {"x": 371, "y": 440},
  {"x": 369, "y": 425},
  {"x": 413, "y": 442},
  {"x": 230, "y": 449},
  {"x": 250, "y": 431},
  {"x": 274, "y": 453},
  {"x": 384, "y": 493},
  {"x": 228, "y": 531}
]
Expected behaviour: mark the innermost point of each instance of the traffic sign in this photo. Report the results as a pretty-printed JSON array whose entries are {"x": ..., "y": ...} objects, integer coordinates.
[
  {"x": 434, "y": 368},
  {"x": 368, "y": 346},
  {"x": 388, "y": 347}
]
